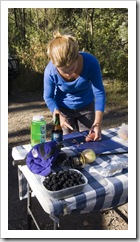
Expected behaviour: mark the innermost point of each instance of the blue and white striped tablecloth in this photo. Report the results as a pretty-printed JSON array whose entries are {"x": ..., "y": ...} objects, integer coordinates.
[{"x": 100, "y": 193}]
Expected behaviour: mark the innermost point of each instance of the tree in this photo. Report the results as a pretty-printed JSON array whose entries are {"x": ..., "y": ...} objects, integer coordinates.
[{"x": 102, "y": 32}]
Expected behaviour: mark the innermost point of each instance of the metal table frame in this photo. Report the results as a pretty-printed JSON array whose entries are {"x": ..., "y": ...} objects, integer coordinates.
[{"x": 30, "y": 215}]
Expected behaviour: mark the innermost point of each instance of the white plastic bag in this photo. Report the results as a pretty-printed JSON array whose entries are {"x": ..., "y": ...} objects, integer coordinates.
[
  {"x": 123, "y": 132},
  {"x": 114, "y": 167}
]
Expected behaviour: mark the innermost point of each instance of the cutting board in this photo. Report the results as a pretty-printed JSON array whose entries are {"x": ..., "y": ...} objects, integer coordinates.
[{"x": 106, "y": 144}]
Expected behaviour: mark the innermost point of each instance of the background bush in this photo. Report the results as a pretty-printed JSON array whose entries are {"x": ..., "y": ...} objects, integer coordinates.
[{"x": 102, "y": 32}]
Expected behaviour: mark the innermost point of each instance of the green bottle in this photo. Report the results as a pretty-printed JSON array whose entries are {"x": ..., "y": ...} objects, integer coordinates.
[
  {"x": 57, "y": 132},
  {"x": 38, "y": 130}
]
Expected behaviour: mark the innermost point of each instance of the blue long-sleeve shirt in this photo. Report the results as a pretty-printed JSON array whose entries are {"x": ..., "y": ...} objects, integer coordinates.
[{"x": 78, "y": 93}]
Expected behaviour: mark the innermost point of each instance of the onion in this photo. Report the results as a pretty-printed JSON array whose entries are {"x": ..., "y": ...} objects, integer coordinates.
[{"x": 88, "y": 155}]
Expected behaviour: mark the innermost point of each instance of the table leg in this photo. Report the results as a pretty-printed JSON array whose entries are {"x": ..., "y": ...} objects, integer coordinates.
[
  {"x": 123, "y": 216},
  {"x": 55, "y": 220},
  {"x": 55, "y": 225},
  {"x": 29, "y": 217}
]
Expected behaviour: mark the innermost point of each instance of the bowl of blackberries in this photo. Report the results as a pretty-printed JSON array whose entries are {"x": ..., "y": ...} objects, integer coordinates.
[{"x": 65, "y": 183}]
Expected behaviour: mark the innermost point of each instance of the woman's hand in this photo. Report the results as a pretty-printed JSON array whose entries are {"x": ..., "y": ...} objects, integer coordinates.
[
  {"x": 96, "y": 128},
  {"x": 63, "y": 121}
]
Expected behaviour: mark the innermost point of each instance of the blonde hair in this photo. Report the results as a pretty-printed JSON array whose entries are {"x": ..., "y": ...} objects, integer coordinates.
[{"x": 63, "y": 49}]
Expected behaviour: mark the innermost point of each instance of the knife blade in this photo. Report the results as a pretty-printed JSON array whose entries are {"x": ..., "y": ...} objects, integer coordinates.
[{"x": 83, "y": 134}]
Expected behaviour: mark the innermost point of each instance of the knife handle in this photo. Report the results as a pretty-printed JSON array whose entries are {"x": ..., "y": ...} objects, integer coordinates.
[
  {"x": 113, "y": 153},
  {"x": 19, "y": 162}
]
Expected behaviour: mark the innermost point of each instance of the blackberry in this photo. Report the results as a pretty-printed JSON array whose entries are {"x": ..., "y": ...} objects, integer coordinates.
[
  {"x": 63, "y": 179},
  {"x": 49, "y": 187}
]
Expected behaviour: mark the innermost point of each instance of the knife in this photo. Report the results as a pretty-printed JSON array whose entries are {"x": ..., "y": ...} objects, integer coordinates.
[{"x": 82, "y": 134}]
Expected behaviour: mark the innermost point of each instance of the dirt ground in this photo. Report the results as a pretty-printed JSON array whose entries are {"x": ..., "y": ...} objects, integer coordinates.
[{"x": 21, "y": 108}]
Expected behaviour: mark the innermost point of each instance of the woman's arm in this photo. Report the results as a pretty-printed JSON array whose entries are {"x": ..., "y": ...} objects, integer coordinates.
[
  {"x": 96, "y": 127},
  {"x": 49, "y": 97},
  {"x": 49, "y": 91},
  {"x": 99, "y": 94}
]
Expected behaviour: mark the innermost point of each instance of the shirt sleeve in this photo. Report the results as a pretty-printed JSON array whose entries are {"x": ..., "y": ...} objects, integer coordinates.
[
  {"x": 49, "y": 91},
  {"x": 97, "y": 85}
]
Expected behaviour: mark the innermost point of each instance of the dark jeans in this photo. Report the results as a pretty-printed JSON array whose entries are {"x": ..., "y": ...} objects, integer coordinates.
[{"x": 80, "y": 119}]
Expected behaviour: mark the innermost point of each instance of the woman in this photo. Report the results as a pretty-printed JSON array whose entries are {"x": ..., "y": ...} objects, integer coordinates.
[{"x": 73, "y": 86}]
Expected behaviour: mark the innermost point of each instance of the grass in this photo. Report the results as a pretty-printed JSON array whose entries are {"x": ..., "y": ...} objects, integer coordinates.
[{"x": 116, "y": 93}]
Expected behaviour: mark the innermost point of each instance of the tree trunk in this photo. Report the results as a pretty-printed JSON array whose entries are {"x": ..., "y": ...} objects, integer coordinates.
[
  {"x": 15, "y": 15},
  {"x": 91, "y": 26}
]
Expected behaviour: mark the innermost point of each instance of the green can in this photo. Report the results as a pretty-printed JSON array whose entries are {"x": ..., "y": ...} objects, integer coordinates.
[{"x": 38, "y": 130}]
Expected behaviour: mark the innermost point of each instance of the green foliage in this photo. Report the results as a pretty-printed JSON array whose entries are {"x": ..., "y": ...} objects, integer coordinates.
[
  {"x": 116, "y": 93},
  {"x": 102, "y": 32},
  {"x": 111, "y": 42}
]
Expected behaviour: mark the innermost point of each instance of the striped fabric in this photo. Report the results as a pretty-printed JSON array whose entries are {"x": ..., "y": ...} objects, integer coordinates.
[{"x": 100, "y": 193}]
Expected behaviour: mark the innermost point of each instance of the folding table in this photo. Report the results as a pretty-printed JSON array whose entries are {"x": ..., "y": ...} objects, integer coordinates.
[{"x": 100, "y": 192}]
